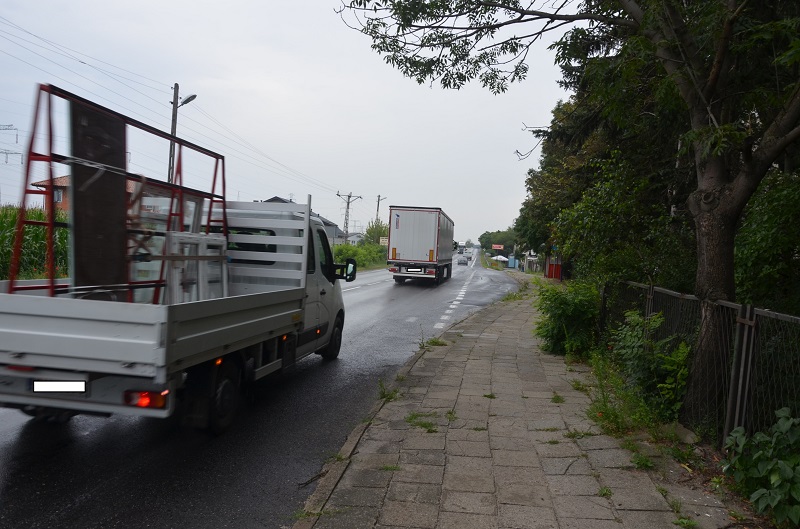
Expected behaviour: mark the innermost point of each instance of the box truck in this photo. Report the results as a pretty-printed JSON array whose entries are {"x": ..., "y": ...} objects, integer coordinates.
[{"x": 420, "y": 244}]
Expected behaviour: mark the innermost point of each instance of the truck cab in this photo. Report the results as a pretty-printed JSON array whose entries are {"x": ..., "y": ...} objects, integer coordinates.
[{"x": 322, "y": 329}]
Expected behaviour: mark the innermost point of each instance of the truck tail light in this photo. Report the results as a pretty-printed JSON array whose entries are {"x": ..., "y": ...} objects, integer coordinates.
[
  {"x": 430, "y": 271},
  {"x": 394, "y": 270},
  {"x": 21, "y": 368},
  {"x": 147, "y": 399}
]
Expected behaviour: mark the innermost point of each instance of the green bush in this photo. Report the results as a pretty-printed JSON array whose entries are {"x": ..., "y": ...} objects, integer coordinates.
[
  {"x": 658, "y": 369},
  {"x": 767, "y": 467},
  {"x": 568, "y": 317},
  {"x": 364, "y": 254}
]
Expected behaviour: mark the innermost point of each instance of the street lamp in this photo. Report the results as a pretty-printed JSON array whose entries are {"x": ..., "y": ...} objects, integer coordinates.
[{"x": 175, "y": 105}]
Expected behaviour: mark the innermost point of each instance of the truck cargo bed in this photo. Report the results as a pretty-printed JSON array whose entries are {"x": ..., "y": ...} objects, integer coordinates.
[{"x": 136, "y": 339}]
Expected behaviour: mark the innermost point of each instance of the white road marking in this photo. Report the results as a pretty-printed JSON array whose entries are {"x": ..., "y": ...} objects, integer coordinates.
[
  {"x": 351, "y": 288},
  {"x": 438, "y": 326},
  {"x": 444, "y": 317},
  {"x": 448, "y": 312}
]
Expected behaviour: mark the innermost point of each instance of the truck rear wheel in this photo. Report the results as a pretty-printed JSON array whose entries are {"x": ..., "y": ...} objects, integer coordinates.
[{"x": 227, "y": 396}]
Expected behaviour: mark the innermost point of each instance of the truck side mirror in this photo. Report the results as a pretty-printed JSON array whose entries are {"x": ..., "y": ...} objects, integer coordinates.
[{"x": 346, "y": 271}]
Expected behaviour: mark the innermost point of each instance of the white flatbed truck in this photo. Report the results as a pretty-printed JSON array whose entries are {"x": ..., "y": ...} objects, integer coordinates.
[{"x": 200, "y": 315}]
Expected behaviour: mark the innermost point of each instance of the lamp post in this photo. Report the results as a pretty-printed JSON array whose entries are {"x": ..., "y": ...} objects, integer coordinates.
[{"x": 175, "y": 105}]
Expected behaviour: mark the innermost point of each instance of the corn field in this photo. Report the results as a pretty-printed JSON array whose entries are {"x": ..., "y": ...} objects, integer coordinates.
[{"x": 34, "y": 249}]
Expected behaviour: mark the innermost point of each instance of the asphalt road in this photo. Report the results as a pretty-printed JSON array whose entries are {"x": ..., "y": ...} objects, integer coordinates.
[{"x": 136, "y": 472}]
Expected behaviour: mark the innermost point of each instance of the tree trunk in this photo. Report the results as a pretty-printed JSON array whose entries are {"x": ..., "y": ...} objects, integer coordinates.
[{"x": 716, "y": 214}]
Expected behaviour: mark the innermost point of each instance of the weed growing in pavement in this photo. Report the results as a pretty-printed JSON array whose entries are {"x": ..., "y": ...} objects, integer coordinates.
[
  {"x": 716, "y": 483},
  {"x": 385, "y": 393},
  {"x": 336, "y": 458},
  {"x": 490, "y": 396},
  {"x": 687, "y": 523},
  {"x": 642, "y": 462},
  {"x": 451, "y": 415},
  {"x": 548, "y": 429},
  {"x": 303, "y": 514},
  {"x": 578, "y": 434},
  {"x": 604, "y": 492},
  {"x": 675, "y": 504},
  {"x": 436, "y": 342},
  {"x": 629, "y": 444},
  {"x": 417, "y": 419},
  {"x": 513, "y": 296},
  {"x": 577, "y": 385},
  {"x": 557, "y": 399},
  {"x": 400, "y": 378},
  {"x": 480, "y": 428},
  {"x": 553, "y": 442}
]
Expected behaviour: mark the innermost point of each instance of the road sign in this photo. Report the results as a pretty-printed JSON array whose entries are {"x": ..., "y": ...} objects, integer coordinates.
[
  {"x": 384, "y": 241},
  {"x": 497, "y": 247}
]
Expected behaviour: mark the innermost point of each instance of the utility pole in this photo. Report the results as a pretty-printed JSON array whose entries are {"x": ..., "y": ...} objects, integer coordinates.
[
  {"x": 378, "y": 211},
  {"x": 348, "y": 200},
  {"x": 174, "y": 128}
]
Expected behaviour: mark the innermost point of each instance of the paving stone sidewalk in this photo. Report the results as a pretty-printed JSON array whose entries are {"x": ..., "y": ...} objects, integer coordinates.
[{"x": 489, "y": 433}]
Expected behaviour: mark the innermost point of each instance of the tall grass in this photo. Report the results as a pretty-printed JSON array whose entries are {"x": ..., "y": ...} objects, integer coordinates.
[{"x": 33, "y": 261}]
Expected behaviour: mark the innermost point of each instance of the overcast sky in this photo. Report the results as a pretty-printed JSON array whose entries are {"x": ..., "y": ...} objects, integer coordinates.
[{"x": 297, "y": 102}]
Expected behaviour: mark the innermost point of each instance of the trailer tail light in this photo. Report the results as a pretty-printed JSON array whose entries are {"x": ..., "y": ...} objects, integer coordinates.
[
  {"x": 430, "y": 271},
  {"x": 21, "y": 368},
  {"x": 394, "y": 270},
  {"x": 147, "y": 399}
]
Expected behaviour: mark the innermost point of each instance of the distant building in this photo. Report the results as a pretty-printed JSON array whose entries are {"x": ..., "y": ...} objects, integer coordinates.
[
  {"x": 355, "y": 238},
  {"x": 61, "y": 190}
]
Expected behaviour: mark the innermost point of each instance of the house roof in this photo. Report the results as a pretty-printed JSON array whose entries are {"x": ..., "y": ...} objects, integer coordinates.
[{"x": 63, "y": 181}]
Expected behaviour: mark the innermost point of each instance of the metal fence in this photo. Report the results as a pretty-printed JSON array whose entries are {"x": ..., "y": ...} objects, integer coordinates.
[{"x": 751, "y": 365}]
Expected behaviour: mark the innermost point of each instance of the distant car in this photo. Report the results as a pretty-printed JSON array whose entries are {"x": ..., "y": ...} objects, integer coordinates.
[
  {"x": 462, "y": 260},
  {"x": 469, "y": 257}
]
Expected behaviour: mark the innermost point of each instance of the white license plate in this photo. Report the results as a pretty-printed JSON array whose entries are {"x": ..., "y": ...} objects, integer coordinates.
[
  {"x": 413, "y": 269},
  {"x": 59, "y": 386}
]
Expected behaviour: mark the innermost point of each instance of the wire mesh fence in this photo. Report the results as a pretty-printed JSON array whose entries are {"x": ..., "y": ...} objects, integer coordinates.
[
  {"x": 775, "y": 371},
  {"x": 744, "y": 365}
]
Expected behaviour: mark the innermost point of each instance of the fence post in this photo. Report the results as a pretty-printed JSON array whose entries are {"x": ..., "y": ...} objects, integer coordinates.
[{"x": 741, "y": 371}]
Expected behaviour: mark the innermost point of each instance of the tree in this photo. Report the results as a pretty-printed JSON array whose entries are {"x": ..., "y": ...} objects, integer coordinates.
[
  {"x": 740, "y": 116},
  {"x": 733, "y": 65},
  {"x": 375, "y": 230},
  {"x": 504, "y": 237}
]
